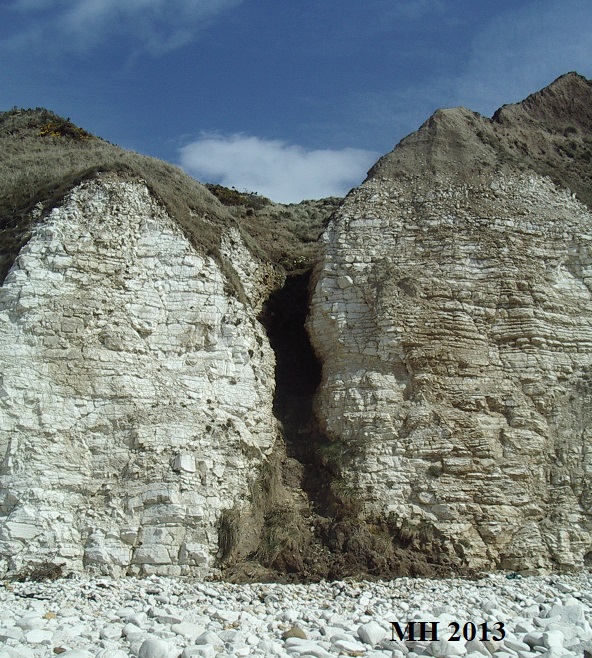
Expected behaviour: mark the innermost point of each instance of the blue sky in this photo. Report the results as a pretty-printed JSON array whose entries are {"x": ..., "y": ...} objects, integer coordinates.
[{"x": 289, "y": 98}]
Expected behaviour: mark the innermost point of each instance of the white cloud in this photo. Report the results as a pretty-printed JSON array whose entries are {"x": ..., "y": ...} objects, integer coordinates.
[
  {"x": 156, "y": 25},
  {"x": 283, "y": 172}
]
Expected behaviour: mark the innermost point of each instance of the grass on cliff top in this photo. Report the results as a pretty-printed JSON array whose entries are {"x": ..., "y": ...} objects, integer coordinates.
[
  {"x": 43, "y": 156},
  {"x": 289, "y": 234}
]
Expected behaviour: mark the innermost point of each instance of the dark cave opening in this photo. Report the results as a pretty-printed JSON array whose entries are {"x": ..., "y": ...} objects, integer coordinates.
[
  {"x": 297, "y": 377},
  {"x": 298, "y": 371}
]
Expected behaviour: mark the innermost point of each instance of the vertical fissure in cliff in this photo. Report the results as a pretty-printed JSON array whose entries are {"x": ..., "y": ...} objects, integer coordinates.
[
  {"x": 341, "y": 543},
  {"x": 297, "y": 378}
]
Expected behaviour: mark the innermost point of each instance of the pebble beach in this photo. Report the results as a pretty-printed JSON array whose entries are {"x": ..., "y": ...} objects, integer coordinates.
[{"x": 538, "y": 617}]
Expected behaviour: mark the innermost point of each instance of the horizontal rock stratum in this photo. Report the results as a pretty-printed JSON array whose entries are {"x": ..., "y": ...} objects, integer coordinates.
[
  {"x": 135, "y": 390},
  {"x": 142, "y": 429}
]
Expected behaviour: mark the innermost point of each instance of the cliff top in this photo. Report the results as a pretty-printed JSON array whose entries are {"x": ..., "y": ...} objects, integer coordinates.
[
  {"x": 43, "y": 156},
  {"x": 550, "y": 132}
]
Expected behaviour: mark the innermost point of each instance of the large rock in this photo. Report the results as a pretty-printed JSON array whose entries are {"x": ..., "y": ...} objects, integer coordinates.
[
  {"x": 135, "y": 391},
  {"x": 452, "y": 311}
]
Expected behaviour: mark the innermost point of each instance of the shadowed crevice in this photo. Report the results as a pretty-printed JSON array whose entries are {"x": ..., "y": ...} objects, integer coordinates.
[{"x": 297, "y": 377}]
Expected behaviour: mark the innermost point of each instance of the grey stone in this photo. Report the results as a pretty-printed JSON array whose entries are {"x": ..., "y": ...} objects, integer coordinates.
[{"x": 29, "y": 622}]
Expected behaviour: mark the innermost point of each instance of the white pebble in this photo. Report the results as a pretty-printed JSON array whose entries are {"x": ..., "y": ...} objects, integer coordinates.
[
  {"x": 188, "y": 630},
  {"x": 553, "y": 639},
  {"x": 38, "y": 636},
  {"x": 440, "y": 648},
  {"x": 111, "y": 632},
  {"x": 199, "y": 651},
  {"x": 209, "y": 638},
  {"x": 29, "y": 622},
  {"x": 155, "y": 648},
  {"x": 371, "y": 633}
]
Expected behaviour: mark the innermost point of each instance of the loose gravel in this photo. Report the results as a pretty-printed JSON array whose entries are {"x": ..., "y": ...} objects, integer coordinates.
[{"x": 539, "y": 617}]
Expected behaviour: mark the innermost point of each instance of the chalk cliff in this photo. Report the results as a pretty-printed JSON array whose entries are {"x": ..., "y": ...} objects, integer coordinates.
[
  {"x": 162, "y": 410},
  {"x": 452, "y": 312},
  {"x": 135, "y": 392}
]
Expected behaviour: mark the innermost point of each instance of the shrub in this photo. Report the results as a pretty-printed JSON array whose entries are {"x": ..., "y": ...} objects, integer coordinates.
[
  {"x": 232, "y": 197},
  {"x": 39, "y": 572},
  {"x": 63, "y": 128}
]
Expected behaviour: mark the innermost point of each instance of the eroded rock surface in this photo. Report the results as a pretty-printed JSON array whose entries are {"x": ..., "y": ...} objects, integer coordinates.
[
  {"x": 135, "y": 392},
  {"x": 452, "y": 313}
]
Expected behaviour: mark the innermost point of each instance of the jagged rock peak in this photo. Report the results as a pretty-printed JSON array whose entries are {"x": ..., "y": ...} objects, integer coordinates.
[
  {"x": 567, "y": 100},
  {"x": 548, "y": 133}
]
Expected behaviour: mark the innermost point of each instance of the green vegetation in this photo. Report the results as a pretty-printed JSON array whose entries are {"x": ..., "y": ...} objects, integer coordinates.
[
  {"x": 286, "y": 235},
  {"x": 289, "y": 234},
  {"x": 43, "y": 156},
  {"x": 63, "y": 128},
  {"x": 232, "y": 197}
]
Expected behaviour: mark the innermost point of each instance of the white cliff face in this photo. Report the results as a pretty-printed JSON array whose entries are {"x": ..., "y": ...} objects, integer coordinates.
[
  {"x": 135, "y": 393},
  {"x": 454, "y": 323}
]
